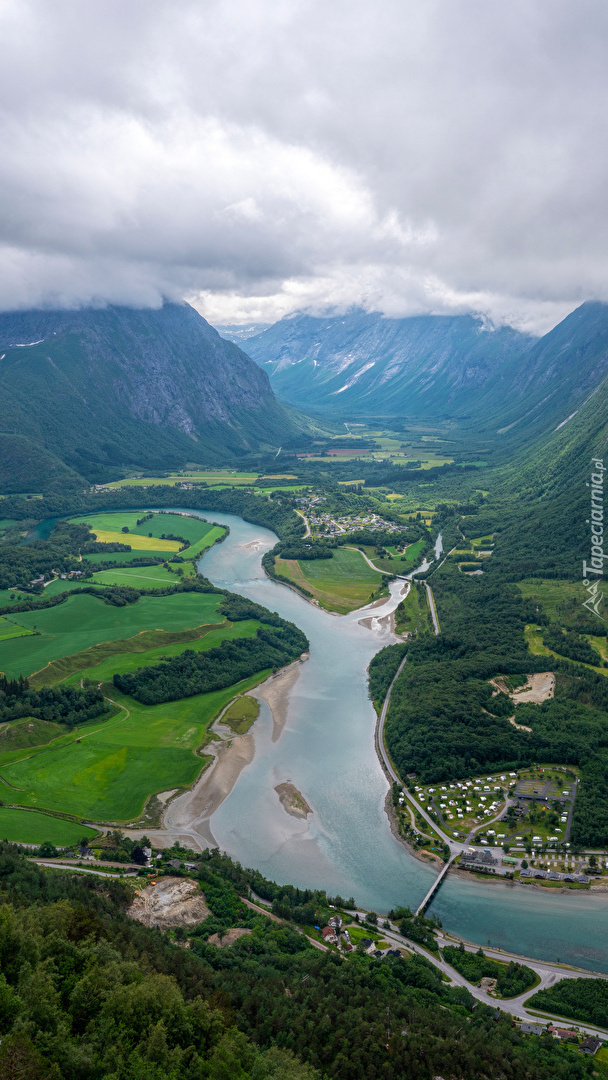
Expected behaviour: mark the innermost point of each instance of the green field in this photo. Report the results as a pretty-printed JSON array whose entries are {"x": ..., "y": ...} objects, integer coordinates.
[
  {"x": 127, "y": 556},
  {"x": 29, "y": 827},
  {"x": 340, "y": 584},
  {"x": 58, "y": 586},
  {"x": 116, "y": 765},
  {"x": 140, "y": 577},
  {"x": 122, "y": 662},
  {"x": 213, "y": 533},
  {"x": 241, "y": 714},
  {"x": 10, "y": 629},
  {"x": 189, "y": 478},
  {"x": 84, "y": 620},
  {"x": 9, "y": 596},
  {"x": 28, "y": 731}
]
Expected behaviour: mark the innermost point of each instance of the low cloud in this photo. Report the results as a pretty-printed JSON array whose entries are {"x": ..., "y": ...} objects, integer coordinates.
[{"x": 264, "y": 158}]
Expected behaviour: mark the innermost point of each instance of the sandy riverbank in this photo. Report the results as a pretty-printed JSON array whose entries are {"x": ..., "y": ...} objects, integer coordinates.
[
  {"x": 187, "y": 817},
  {"x": 275, "y": 692}
]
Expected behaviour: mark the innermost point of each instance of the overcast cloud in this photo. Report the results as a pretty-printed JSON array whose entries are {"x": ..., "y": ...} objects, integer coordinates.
[{"x": 261, "y": 157}]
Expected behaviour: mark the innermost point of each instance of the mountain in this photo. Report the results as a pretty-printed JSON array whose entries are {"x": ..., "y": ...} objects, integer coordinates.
[
  {"x": 504, "y": 384},
  {"x": 84, "y": 391},
  {"x": 241, "y": 333},
  {"x": 365, "y": 364}
]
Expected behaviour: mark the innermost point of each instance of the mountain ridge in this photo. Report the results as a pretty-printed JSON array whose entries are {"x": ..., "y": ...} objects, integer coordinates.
[
  {"x": 126, "y": 387},
  {"x": 508, "y": 385}
]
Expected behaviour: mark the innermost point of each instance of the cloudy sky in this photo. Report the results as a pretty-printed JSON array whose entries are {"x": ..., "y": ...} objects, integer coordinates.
[{"x": 267, "y": 156}]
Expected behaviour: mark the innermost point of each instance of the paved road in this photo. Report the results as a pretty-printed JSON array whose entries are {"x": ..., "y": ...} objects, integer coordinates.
[
  {"x": 305, "y": 520},
  {"x": 548, "y": 974},
  {"x": 368, "y": 561}
]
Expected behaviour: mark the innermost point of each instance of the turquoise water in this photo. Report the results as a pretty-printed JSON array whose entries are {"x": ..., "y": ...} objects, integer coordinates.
[{"x": 327, "y": 750}]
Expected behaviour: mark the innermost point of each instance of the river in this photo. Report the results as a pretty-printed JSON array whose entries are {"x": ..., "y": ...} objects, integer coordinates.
[{"x": 327, "y": 751}]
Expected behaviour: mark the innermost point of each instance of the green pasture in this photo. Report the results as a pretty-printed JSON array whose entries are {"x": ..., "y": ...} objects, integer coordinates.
[
  {"x": 84, "y": 620},
  {"x": 340, "y": 584},
  {"x": 29, "y": 827},
  {"x": 121, "y": 663},
  {"x": 212, "y": 534},
  {"x": 58, "y": 586},
  {"x": 140, "y": 577},
  {"x": 192, "y": 529},
  {"x": 10, "y": 629},
  {"x": 107, "y": 771},
  {"x": 188, "y": 478},
  {"x": 28, "y": 731},
  {"x": 126, "y": 556},
  {"x": 10, "y": 596}
]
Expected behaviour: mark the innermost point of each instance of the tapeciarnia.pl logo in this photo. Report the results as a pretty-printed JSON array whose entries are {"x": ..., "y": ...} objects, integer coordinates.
[{"x": 594, "y": 569}]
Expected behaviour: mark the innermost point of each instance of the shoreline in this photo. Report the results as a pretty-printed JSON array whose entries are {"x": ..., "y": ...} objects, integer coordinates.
[{"x": 275, "y": 692}]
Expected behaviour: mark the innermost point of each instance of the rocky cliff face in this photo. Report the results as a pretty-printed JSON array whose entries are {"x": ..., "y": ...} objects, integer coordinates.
[{"x": 123, "y": 386}]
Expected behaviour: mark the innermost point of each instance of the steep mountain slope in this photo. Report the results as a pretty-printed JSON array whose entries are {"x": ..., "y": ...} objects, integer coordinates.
[
  {"x": 123, "y": 386},
  {"x": 549, "y": 383},
  {"x": 361, "y": 364},
  {"x": 498, "y": 382}
]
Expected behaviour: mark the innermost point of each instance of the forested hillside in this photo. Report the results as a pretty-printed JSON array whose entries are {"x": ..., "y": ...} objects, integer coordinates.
[{"x": 87, "y": 994}]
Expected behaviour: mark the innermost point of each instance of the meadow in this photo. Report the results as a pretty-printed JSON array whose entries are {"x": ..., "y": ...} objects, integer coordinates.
[
  {"x": 84, "y": 620},
  {"x": 30, "y": 827},
  {"x": 106, "y": 771},
  {"x": 108, "y": 528},
  {"x": 139, "y": 577},
  {"x": 340, "y": 584},
  {"x": 10, "y": 629},
  {"x": 122, "y": 662}
]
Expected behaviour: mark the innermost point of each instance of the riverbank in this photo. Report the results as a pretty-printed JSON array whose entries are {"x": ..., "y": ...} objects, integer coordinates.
[{"x": 275, "y": 692}]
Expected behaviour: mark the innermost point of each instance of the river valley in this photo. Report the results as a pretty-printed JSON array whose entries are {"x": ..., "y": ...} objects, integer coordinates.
[{"x": 326, "y": 750}]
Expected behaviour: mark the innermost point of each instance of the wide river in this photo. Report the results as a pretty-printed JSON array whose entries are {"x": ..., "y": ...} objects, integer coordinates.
[{"x": 327, "y": 750}]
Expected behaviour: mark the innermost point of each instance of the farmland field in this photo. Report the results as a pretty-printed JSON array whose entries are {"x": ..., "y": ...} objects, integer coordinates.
[
  {"x": 29, "y": 827},
  {"x": 140, "y": 577},
  {"x": 137, "y": 543},
  {"x": 11, "y": 629},
  {"x": 339, "y": 584},
  {"x": 84, "y": 620},
  {"x": 122, "y": 662},
  {"x": 116, "y": 765},
  {"x": 108, "y": 528},
  {"x": 188, "y": 478},
  {"x": 125, "y": 556}
]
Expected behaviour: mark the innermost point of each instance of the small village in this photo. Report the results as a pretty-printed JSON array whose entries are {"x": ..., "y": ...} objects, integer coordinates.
[{"x": 331, "y": 525}]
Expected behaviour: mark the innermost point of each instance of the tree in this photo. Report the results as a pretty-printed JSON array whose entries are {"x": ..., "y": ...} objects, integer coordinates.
[
  {"x": 47, "y": 850},
  {"x": 125, "y": 528},
  {"x": 138, "y": 856}
]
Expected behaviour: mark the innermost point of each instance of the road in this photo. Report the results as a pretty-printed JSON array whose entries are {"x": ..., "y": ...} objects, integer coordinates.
[
  {"x": 433, "y": 609},
  {"x": 305, "y": 520},
  {"x": 547, "y": 973},
  {"x": 369, "y": 562}
]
